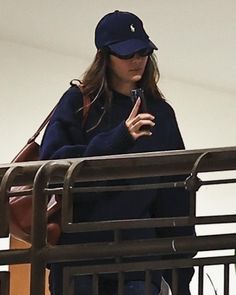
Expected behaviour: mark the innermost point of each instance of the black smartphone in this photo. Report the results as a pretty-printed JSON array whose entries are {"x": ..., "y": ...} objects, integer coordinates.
[{"x": 135, "y": 94}]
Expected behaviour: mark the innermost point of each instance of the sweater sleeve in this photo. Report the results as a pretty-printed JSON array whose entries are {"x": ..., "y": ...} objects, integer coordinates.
[
  {"x": 116, "y": 141},
  {"x": 64, "y": 136},
  {"x": 174, "y": 137}
]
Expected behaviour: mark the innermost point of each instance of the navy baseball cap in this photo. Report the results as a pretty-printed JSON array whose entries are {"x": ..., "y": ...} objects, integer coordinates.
[{"x": 123, "y": 33}]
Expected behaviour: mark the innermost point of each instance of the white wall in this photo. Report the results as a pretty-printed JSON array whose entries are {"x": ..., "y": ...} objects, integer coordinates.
[
  {"x": 207, "y": 120},
  {"x": 32, "y": 81},
  {"x": 206, "y": 115}
]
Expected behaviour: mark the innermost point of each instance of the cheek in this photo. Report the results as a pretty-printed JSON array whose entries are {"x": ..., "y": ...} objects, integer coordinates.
[
  {"x": 145, "y": 60},
  {"x": 118, "y": 67}
]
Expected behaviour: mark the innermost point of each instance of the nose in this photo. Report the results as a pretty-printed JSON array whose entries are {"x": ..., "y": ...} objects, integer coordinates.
[{"x": 137, "y": 58}]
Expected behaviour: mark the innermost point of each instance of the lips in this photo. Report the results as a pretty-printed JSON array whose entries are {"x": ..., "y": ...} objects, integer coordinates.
[{"x": 136, "y": 70}]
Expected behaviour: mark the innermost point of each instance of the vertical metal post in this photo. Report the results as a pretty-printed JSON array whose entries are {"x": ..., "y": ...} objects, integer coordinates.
[
  {"x": 200, "y": 279},
  {"x": 68, "y": 282},
  {"x": 95, "y": 284},
  {"x": 5, "y": 186},
  {"x": 192, "y": 209},
  {"x": 67, "y": 199},
  {"x": 38, "y": 232},
  {"x": 120, "y": 283},
  {"x": 4, "y": 215},
  {"x": 4, "y": 283},
  {"x": 148, "y": 282},
  {"x": 39, "y": 224},
  {"x": 120, "y": 275},
  {"x": 226, "y": 279},
  {"x": 174, "y": 283}
]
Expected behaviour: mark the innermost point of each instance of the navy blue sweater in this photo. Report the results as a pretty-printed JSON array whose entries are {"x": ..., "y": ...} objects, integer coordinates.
[{"x": 65, "y": 138}]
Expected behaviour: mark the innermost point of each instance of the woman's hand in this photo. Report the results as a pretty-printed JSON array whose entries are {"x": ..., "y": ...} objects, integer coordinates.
[{"x": 136, "y": 121}]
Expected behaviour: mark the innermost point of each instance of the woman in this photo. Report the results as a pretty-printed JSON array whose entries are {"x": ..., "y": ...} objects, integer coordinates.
[{"x": 116, "y": 124}]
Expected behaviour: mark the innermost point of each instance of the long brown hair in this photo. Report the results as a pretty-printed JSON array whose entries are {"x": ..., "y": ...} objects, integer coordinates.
[
  {"x": 96, "y": 82},
  {"x": 96, "y": 78}
]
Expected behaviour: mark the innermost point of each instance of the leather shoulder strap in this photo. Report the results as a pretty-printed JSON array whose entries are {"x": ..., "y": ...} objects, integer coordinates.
[{"x": 45, "y": 122}]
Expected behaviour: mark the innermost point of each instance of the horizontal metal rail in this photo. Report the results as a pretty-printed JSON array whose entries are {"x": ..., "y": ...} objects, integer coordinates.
[
  {"x": 137, "y": 165},
  {"x": 151, "y": 265},
  {"x": 67, "y": 177}
]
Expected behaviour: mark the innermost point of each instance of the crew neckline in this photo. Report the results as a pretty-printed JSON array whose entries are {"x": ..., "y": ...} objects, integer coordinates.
[{"x": 121, "y": 94}]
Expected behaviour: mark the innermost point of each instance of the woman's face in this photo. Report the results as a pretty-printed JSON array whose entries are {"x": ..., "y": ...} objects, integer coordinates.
[{"x": 127, "y": 70}]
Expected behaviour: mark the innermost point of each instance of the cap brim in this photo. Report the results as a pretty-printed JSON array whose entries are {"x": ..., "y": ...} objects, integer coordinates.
[{"x": 130, "y": 46}]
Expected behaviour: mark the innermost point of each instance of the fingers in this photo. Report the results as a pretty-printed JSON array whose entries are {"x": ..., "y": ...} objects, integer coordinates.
[
  {"x": 147, "y": 123},
  {"x": 141, "y": 128},
  {"x": 141, "y": 117},
  {"x": 142, "y": 133},
  {"x": 135, "y": 109},
  {"x": 140, "y": 125}
]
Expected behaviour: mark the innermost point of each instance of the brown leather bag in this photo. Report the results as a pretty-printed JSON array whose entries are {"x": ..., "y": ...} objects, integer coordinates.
[{"x": 21, "y": 206}]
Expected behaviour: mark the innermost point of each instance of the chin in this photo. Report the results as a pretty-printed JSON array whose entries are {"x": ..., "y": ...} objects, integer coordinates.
[{"x": 136, "y": 78}]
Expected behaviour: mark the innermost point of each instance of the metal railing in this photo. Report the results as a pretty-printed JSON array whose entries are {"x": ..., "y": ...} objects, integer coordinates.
[{"x": 62, "y": 176}]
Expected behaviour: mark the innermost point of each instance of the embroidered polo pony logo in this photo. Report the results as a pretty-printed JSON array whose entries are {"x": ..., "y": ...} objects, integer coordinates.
[{"x": 132, "y": 28}]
